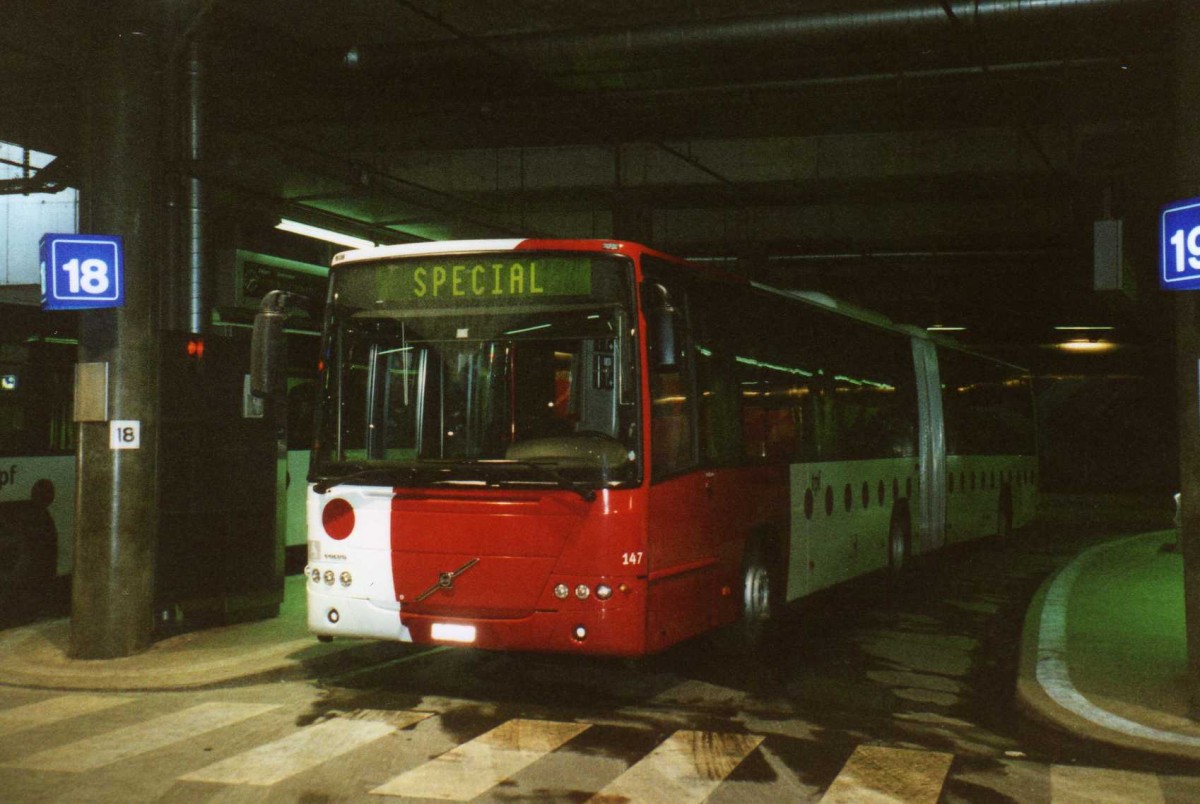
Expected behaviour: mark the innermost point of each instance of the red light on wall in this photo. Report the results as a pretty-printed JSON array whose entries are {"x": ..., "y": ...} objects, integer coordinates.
[{"x": 195, "y": 348}]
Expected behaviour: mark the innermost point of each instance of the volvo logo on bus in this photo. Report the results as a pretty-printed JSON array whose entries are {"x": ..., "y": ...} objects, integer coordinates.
[{"x": 446, "y": 580}]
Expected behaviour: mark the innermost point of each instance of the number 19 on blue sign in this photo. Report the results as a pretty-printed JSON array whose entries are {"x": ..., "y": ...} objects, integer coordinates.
[
  {"x": 82, "y": 271},
  {"x": 1179, "y": 245}
]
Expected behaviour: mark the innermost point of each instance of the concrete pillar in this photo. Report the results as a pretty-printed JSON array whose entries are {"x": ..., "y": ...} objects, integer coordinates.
[
  {"x": 1187, "y": 327},
  {"x": 115, "y": 515}
]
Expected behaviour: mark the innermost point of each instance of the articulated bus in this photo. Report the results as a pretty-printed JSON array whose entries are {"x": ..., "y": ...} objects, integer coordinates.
[{"x": 590, "y": 446}]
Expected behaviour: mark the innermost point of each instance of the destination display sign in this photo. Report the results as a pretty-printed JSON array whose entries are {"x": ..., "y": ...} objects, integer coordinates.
[{"x": 495, "y": 279}]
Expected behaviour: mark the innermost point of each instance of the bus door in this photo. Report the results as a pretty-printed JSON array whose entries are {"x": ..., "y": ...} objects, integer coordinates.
[{"x": 681, "y": 541}]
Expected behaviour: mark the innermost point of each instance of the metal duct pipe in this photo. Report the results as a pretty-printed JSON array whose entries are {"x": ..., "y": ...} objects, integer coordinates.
[
  {"x": 915, "y": 27},
  {"x": 197, "y": 301}
]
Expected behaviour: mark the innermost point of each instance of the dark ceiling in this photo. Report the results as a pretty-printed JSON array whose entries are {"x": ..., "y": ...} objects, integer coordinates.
[{"x": 943, "y": 161}]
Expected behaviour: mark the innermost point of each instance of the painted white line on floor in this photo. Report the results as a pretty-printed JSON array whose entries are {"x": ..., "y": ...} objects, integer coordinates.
[
  {"x": 1054, "y": 676},
  {"x": 878, "y": 775},
  {"x": 1072, "y": 785},
  {"x": 113, "y": 746},
  {"x": 686, "y": 768},
  {"x": 473, "y": 768},
  {"x": 295, "y": 753},
  {"x": 54, "y": 710}
]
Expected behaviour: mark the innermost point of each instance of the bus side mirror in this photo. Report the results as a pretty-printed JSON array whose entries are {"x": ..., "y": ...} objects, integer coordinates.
[
  {"x": 662, "y": 319},
  {"x": 268, "y": 347}
]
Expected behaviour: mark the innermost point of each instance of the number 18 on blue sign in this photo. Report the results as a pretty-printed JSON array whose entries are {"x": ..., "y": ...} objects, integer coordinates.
[
  {"x": 82, "y": 271},
  {"x": 1179, "y": 245}
]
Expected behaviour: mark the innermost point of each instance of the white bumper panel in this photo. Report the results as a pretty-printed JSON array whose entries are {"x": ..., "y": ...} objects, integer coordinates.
[{"x": 337, "y": 615}]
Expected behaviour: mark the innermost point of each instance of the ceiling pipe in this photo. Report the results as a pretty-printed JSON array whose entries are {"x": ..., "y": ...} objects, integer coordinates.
[
  {"x": 199, "y": 312},
  {"x": 914, "y": 26}
]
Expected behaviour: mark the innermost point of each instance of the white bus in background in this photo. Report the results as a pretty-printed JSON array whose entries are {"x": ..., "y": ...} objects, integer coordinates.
[{"x": 38, "y": 352}]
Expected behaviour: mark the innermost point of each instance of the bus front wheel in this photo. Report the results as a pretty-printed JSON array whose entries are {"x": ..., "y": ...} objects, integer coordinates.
[{"x": 762, "y": 588}]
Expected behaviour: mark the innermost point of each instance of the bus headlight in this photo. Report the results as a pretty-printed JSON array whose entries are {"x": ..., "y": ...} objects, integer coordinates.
[
  {"x": 316, "y": 575},
  {"x": 582, "y": 592},
  {"x": 603, "y": 592},
  {"x": 561, "y": 591},
  {"x": 345, "y": 578},
  {"x": 329, "y": 577}
]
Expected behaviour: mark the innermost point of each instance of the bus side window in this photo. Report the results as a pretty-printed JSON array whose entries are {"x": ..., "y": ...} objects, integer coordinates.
[
  {"x": 672, "y": 440},
  {"x": 775, "y": 379},
  {"x": 720, "y": 434},
  {"x": 718, "y": 406}
]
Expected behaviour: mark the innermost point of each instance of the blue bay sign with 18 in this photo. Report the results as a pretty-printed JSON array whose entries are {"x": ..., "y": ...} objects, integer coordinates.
[{"x": 81, "y": 271}]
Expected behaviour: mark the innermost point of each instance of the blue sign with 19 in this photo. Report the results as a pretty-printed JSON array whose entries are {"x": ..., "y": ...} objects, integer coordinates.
[{"x": 1179, "y": 246}]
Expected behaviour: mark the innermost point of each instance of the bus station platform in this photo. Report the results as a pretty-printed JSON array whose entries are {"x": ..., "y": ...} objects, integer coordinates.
[
  {"x": 1103, "y": 653},
  {"x": 276, "y": 649}
]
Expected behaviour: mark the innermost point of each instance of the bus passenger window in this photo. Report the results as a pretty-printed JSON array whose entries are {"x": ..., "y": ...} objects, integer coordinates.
[{"x": 671, "y": 436}]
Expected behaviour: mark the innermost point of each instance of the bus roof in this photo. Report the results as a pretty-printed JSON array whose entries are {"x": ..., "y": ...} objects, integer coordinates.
[
  {"x": 498, "y": 244},
  {"x": 630, "y": 248}
]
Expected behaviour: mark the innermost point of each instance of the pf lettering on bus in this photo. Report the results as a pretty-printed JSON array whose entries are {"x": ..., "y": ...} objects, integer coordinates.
[
  {"x": 9, "y": 477},
  {"x": 461, "y": 280}
]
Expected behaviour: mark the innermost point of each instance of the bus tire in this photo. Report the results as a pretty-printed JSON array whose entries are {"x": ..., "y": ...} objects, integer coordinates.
[
  {"x": 1004, "y": 514},
  {"x": 899, "y": 541},
  {"x": 762, "y": 590}
]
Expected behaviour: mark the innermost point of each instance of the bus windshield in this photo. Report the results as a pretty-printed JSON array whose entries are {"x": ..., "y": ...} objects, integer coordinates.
[{"x": 504, "y": 369}]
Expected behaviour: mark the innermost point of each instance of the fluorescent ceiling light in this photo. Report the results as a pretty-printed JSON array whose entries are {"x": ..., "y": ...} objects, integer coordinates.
[
  {"x": 1090, "y": 347},
  {"x": 1081, "y": 328},
  {"x": 295, "y": 227},
  {"x": 945, "y": 328}
]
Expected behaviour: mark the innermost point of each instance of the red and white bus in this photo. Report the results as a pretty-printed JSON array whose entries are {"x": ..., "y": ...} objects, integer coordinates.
[{"x": 589, "y": 446}]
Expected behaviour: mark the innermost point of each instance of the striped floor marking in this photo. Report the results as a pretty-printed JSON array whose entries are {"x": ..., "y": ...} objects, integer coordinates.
[
  {"x": 114, "y": 746},
  {"x": 473, "y": 768},
  {"x": 1071, "y": 785},
  {"x": 687, "y": 767},
  {"x": 878, "y": 775},
  {"x": 300, "y": 751},
  {"x": 53, "y": 710}
]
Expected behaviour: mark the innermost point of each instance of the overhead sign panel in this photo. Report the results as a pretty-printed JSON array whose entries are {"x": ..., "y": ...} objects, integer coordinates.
[
  {"x": 1179, "y": 245},
  {"x": 82, "y": 271}
]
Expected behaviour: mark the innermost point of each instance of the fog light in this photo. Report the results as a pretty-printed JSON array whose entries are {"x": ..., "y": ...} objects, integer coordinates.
[
  {"x": 316, "y": 576},
  {"x": 561, "y": 591},
  {"x": 580, "y": 633},
  {"x": 329, "y": 577},
  {"x": 333, "y": 616},
  {"x": 603, "y": 592},
  {"x": 345, "y": 578},
  {"x": 582, "y": 592}
]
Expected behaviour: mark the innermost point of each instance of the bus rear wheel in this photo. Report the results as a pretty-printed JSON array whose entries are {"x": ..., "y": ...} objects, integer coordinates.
[
  {"x": 899, "y": 544},
  {"x": 1004, "y": 516}
]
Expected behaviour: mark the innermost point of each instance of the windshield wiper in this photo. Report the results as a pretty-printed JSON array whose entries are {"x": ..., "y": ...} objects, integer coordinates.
[
  {"x": 586, "y": 492},
  {"x": 541, "y": 470},
  {"x": 393, "y": 474}
]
